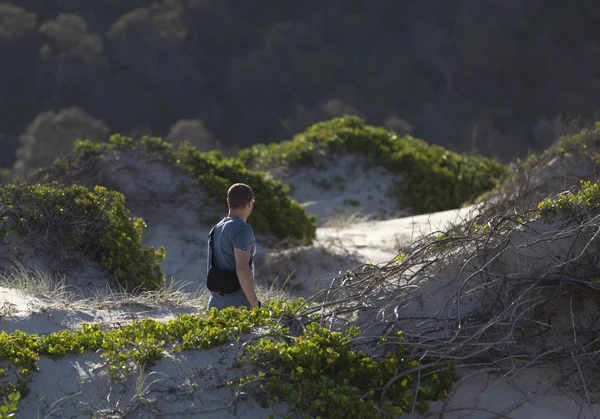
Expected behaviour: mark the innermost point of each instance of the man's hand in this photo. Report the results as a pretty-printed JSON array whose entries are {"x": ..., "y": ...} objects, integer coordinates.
[{"x": 257, "y": 304}]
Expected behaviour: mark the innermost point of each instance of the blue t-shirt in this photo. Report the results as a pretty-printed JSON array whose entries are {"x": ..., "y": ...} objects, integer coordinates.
[{"x": 232, "y": 233}]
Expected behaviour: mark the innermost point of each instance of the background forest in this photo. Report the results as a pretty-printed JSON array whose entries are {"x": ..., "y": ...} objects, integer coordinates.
[{"x": 495, "y": 77}]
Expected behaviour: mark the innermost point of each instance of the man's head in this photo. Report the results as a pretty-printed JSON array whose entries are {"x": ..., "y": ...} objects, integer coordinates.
[{"x": 240, "y": 198}]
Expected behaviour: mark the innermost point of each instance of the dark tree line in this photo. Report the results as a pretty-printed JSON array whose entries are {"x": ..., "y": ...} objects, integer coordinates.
[{"x": 490, "y": 75}]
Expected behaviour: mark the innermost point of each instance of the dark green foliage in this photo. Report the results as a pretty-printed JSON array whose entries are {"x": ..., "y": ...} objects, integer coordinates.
[
  {"x": 274, "y": 213},
  {"x": 96, "y": 222},
  {"x": 434, "y": 178}
]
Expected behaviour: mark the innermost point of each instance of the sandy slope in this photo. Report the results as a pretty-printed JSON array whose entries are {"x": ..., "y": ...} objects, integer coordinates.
[
  {"x": 381, "y": 241},
  {"x": 344, "y": 184}
]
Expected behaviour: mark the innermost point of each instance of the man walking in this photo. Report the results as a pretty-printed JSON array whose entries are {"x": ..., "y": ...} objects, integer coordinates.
[{"x": 231, "y": 250}]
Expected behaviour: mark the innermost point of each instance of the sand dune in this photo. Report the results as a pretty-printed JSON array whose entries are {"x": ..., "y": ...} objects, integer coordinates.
[{"x": 356, "y": 227}]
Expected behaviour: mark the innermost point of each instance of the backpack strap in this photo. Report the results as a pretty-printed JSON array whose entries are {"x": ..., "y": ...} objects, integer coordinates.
[{"x": 211, "y": 255}]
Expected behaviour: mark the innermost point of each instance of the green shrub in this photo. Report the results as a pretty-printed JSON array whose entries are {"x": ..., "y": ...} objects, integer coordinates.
[
  {"x": 10, "y": 404},
  {"x": 323, "y": 372},
  {"x": 96, "y": 222},
  {"x": 433, "y": 178},
  {"x": 569, "y": 203},
  {"x": 275, "y": 212}
]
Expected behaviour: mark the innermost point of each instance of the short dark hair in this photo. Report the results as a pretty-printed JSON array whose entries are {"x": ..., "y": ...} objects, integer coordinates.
[{"x": 239, "y": 194}]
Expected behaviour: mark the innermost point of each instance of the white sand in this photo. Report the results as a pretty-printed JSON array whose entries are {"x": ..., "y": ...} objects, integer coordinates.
[
  {"x": 534, "y": 394},
  {"x": 342, "y": 186},
  {"x": 381, "y": 241}
]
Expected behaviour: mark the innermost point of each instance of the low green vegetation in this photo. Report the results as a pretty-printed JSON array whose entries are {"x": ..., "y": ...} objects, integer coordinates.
[
  {"x": 588, "y": 198},
  {"x": 319, "y": 371},
  {"x": 97, "y": 222},
  {"x": 433, "y": 178},
  {"x": 323, "y": 372},
  {"x": 275, "y": 212}
]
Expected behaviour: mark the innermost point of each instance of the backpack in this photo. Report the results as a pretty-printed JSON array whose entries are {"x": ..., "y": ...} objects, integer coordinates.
[{"x": 219, "y": 280}]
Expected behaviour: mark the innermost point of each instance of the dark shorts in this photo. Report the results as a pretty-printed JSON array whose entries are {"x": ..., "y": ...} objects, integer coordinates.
[{"x": 237, "y": 299}]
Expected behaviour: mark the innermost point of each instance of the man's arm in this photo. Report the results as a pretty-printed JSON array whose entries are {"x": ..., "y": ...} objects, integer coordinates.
[{"x": 242, "y": 268}]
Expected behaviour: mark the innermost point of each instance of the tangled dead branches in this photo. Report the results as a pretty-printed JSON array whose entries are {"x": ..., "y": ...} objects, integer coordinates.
[{"x": 503, "y": 297}]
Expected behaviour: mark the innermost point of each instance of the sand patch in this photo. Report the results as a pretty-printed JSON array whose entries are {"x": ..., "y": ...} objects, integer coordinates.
[
  {"x": 302, "y": 271},
  {"x": 535, "y": 393},
  {"x": 185, "y": 384},
  {"x": 65, "y": 265},
  {"x": 342, "y": 185},
  {"x": 381, "y": 241}
]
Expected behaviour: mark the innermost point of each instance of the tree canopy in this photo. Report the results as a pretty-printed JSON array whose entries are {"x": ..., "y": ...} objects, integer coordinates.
[{"x": 469, "y": 75}]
